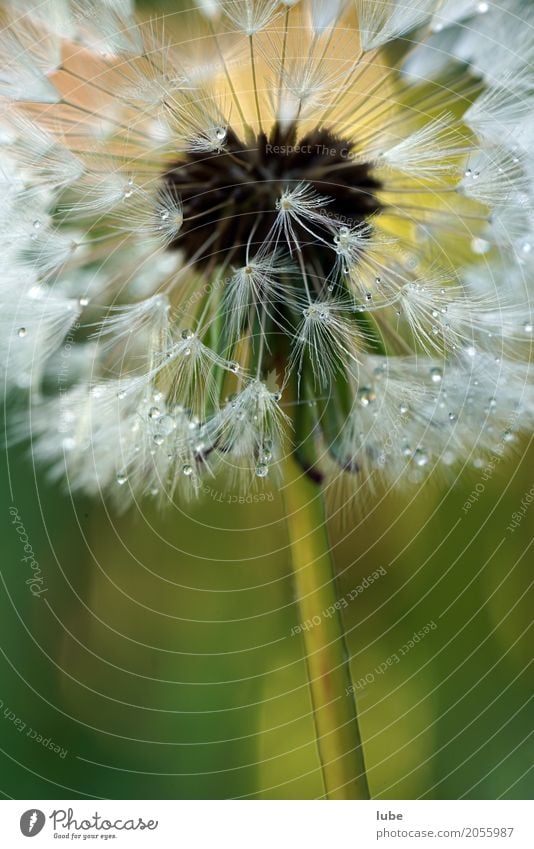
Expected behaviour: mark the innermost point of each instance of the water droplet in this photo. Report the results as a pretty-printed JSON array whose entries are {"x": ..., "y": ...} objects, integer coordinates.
[
  {"x": 159, "y": 438},
  {"x": 262, "y": 470},
  {"x": 121, "y": 394},
  {"x": 452, "y": 417},
  {"x": 154, "y": 491},
  {"x": 482, "y": 7},
  {"x": 166, "y": 425},
  {"x": 83, "y": 301},
  {"x": 471, "y": 351},
  {"x": 122, "y": 477},
  {"x": 527, "y": 327},
  {"x": 234, "y": 367},
  {"x": 421, "y": 457},
  {"x": 436, "y": 375},
  {"x": 480, "y": 246},
  {"x": 187, "y": 470},
  {"x": 21, "y": 332},
  {"x": 187, "y": 334},
  {"x": 220, "y": 133},
  {"x": 154, "y": 413},
  {"x": 366, "y": 396},
  {"x": 403, "y": 409}
]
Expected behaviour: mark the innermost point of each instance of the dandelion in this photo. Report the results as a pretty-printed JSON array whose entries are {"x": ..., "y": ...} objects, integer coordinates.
[{"x": 288, "y": 250}]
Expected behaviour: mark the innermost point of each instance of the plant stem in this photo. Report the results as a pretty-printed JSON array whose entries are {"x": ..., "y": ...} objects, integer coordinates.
[{"x": 331, "y": 691}]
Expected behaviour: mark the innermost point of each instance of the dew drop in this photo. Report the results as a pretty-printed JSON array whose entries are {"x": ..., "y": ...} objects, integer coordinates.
[
  {"x": 21, "y": 332},
  {"x": 154, "y": 413},
  {"x": 122, "y": 477},
  {"x": 159, "y": 438},
  {"x": 480, "y": 246},
  {"x": 262, "y": 470},
  {"x": 420, "y": 457},
  {"x": 234, "y": 367},
  {"x": 527, "y": 327},
  {"x": 366, "y": 396},
  {"x": 452, "y": 417},
  {"x": 166, "y": 425},
  {"x": 83, "y": 301},
  {"x": 403, "y": 409},
  {"x": 436, "y": 375},
  {"x": 187, "y": 470},
  {"x": 187, "y": 334}
]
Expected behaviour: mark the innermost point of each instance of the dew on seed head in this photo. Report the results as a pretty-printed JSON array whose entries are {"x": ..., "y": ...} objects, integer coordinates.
[
  {"x": 121, "y": 478},
  {"x": 366, "y": 396},
  {"x": 154, "y": 413},
  {"x": 187, "y": 470},
  {"x": 262, "y": 470},
  {"x": 421, "y": 457},
  {"x": 480, "y": 246},
  {"x": 436, "y": 375},
  {"x": 166, "y": 425}
]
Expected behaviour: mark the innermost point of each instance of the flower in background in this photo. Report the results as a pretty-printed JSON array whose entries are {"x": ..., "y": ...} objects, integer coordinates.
[{"x": 266, "y": 228}]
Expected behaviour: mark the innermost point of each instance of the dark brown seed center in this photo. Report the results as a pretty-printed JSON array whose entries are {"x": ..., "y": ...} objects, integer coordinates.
[{"x": 228, "y": 195}]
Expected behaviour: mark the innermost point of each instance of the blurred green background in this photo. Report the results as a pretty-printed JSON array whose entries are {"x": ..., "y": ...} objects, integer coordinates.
[
  {"x": 161, "y": 655},
  {"x": 160, "y": 659}
]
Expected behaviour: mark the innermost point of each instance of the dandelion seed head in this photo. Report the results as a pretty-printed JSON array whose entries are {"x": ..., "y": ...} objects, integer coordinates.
[{"x": 265, "y": 232}]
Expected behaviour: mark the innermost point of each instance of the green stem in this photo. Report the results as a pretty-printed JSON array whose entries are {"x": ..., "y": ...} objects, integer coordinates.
[{"x": 334, "y": 707}]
